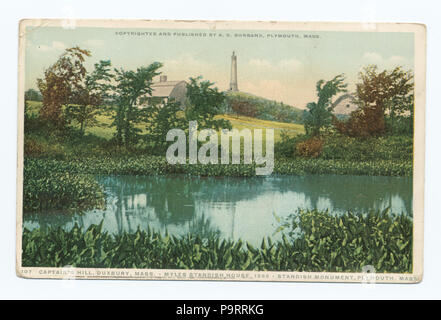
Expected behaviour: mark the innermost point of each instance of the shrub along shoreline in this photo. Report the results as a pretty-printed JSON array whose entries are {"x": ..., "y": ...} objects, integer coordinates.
[
  {"x": 51, "y": 191},
  {"x": 157, "y": 165},
  {"x": 343, "y": 243}
]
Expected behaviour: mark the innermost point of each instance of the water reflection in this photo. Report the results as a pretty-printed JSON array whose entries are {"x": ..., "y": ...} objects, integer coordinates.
[{"x": 230, "y": 207}]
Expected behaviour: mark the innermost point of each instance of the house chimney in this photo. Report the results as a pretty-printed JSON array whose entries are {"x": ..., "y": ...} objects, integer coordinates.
[{"x": 162, "y": 78}]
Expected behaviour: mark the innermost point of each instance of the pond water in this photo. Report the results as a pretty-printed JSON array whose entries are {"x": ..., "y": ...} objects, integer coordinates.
[{"x": 230, "y": 207}]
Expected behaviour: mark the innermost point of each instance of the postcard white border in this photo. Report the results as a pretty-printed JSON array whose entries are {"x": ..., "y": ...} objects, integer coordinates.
[{"x": 419, "y": 31}]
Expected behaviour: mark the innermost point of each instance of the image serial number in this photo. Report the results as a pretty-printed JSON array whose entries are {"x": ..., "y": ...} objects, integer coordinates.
[{"x": 241, "y": 309}]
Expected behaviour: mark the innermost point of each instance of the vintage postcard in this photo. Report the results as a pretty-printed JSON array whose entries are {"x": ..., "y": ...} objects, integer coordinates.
[{"x": 221, "y": 150}]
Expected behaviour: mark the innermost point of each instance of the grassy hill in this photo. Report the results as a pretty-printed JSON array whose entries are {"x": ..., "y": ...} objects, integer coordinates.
[
  {"x": 242, "y": 122},
  {"x": 104, "y": 130},
  {"x": 246, "y": 104}
]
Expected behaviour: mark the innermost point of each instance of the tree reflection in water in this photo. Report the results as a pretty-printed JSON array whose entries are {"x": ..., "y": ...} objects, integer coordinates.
[{"x": 230, "y": 207}]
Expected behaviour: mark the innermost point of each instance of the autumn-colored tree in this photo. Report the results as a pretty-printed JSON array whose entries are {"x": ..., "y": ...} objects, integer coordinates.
[
  {"x": 60, "y": 79},
  {"x": 379, "y": 95},
  {"x": 310, "y": 148},
  {"x": 243, "y": 107}
]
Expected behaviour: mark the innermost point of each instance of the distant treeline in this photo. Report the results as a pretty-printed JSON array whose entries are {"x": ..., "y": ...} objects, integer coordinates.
[
  {"x": 33, "y": 95},
  {"x": 245, "y": 104}
]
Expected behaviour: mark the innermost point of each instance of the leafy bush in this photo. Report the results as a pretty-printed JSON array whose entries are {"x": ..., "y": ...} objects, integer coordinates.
[
  {"x": 381, "y": 148},
  {"x": 315, "y": 241},
  {"x": 253, "y": 106},
  {"x": 158, "y": 165},
  {"x": 160, "y": 119},
  {"x": 285, "y": 147},
  {"x": 40, "y": 148},
  {"x": 399, "y": 125},
  {"x": 324, "y": 166},
  {"x": 340, "y": 147},
  {"x": 44, "y": 189},
  {"x": 350, "y": 241},
  {"x": 310, "y": 148},
  {"x": 244, "y": 108},
  {"x": 389, "y": 93}
]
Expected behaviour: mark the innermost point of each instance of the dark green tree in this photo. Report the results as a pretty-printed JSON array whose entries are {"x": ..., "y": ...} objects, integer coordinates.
[
  {"x": 86, "y": 99},
  {"x": 204, "y": 103},
  {"x": 160, "y": 118},
  {"x": 130, "y": 87},
  {"x": 319, "y": 115},
  {"x": 33, "y": 95}
]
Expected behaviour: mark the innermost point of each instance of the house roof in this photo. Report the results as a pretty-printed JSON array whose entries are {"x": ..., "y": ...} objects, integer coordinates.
[
  {"x": 163, "y": 89},
  {"x": 345, "y": 104}
]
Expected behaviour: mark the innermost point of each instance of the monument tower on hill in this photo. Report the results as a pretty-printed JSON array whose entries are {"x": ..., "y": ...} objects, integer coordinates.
[{"x": 233, "y": 79}]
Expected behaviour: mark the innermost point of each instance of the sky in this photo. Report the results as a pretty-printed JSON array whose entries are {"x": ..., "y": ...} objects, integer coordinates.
[{"x": 284, "y": 69}]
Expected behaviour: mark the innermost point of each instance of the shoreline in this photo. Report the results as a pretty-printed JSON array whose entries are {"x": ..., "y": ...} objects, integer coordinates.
[{"x": 157, "y": 165}]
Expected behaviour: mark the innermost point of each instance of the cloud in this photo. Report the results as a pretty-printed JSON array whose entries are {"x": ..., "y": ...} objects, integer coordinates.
[
  {"x": 94, "y": 43},
  {"x": 55, "y": 46},
  {"x": 186, "y": 66},
  {"x": 372, "y": 57},
  {"x": 380, "y": 61},
  {"x": 398, "y": 60},
  {"x": 259, "y": 63},
  {"x": 286, "y": 64},
  {"x": 290, "y": 64}
]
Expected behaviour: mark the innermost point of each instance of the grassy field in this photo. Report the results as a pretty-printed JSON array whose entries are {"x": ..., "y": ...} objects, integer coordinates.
[
  {"x": 32, "y": 107},
  {"x": 238, "y": 122},
  {"x": 242, "y": 122}
]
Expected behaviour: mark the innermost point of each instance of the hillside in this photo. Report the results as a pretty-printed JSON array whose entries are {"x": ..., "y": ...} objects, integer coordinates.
[
  {"x": 242, "y": 122},
  {"x": 106, "y": 131},
  {"x": 246, "y": 104}
]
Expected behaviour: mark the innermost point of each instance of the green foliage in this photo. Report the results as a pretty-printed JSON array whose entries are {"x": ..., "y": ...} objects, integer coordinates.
[
  {"x": 388, "y": 94},
  {"x": 311, "y": 147},
  {"x": 315, "y": 241},
  {"x": 284, "y": 148},
  {"x": 85, "y": 100},
  {"x": 158, "y": 165},
  {"x": 304, "y": 166},
  {"x": 399, "y": 125},
  {"x": 59, "y": 81},
  {"x": 44, "y": 189},
  {"x": 130, "y": 87},
  {"x": 159, "y": 119},
  {"x": 33, "y": 95},
  {"x": 253, "y": 106},
  {"x": 381, "y": 148},
  {"x": 34, "y": 147},
  {"x": 319, "y": 114},
  {"x": 350, "y": 241},
  {"x": 205, "y": 102},
  {"x": 340, "y": 147}
]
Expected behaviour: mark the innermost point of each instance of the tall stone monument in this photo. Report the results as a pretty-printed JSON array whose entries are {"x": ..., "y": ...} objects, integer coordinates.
[{"x": 233, "y": 81}]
